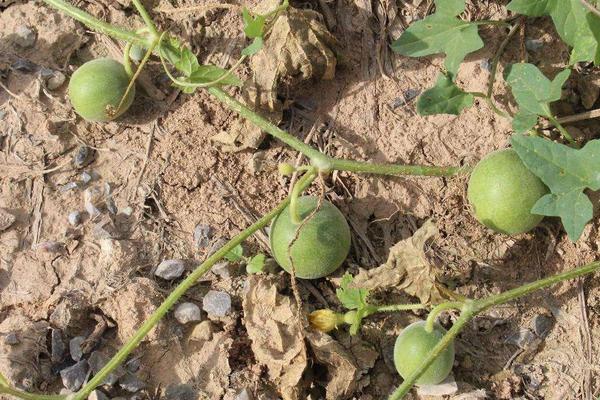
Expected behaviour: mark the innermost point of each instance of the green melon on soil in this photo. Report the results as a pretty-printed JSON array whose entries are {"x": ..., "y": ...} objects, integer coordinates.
[
  {"x": 503, "y": 191},
  {"x": 412, "y": 347},
  {"x": 97, "y": 86},
  {"x": 322, "y": 245}
]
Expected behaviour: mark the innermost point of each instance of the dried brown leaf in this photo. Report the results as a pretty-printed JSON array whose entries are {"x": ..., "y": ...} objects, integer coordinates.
[
  {"x": 342, "y": 368},
  {"x": 277, "y": 341},
  {"x": 406, "y": 268}
]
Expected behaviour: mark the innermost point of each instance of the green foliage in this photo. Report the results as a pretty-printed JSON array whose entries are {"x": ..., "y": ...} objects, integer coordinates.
[
  {"x": 567, "y": 172},
  {"x": 444, "y": 98},
  {"x": 350, "y": 297},
  {"x": 254, "y": 28},
  {"x": 256, "y": 264},
  {"x": 571, "y": 20},
  {"x": 534, "y": 93},
  {"x": 192, "y": 71},
  {"x": 236, "y": 254},
  {"x": 441, "y": 32}
]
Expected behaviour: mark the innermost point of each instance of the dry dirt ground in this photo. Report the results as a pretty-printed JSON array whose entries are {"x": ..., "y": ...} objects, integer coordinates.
[{"x": 157, "y": 173}]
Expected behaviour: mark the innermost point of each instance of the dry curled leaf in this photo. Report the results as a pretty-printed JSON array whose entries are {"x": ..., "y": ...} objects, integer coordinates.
[
  {"x": 277, "y": 341},
  {"x": 406, "y": 268}
]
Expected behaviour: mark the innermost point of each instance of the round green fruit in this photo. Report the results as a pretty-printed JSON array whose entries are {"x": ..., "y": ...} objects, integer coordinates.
[
  {"x": 97, "y": 87},
  {"x": 412, "y": 347},
  {"x": 322, "y": 245},
  {"x": 503, "y": 191}
]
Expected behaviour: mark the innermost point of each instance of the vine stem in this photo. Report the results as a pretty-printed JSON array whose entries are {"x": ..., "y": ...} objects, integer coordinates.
[
  {"x": 450, "y": 305},
  {"x": 98, "y": 25},
  {"x": 29, "y": 396},
  {"x": 561, "y": 128},
  {"x": 321, "y": 159},
  {"x": 393, "y": 308},
  {"x": 474, "y": 307},
  {"x": 146, "y": 17}
]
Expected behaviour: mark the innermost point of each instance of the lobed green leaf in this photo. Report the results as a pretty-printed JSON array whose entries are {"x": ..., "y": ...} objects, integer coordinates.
[
  {"x": 236, "y": 254},
  {"x": 256, "y": 264},
  {"x": 444, "y": 98},
  {"x": 567, "y": 172},
  {"x": 351, "y": 298}
]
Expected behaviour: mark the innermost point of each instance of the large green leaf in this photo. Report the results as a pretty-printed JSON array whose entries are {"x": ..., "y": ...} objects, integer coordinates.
[
  {"x": 444, "y": 98},
  {"x": 570, "y": 19},
  {"x": 567, "y": 172},
  {"x": 533, "y": 92},
  {"x": 441, "y": 32}
]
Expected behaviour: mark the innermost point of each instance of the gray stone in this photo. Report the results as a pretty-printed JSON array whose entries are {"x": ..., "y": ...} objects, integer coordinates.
[
  {"x": 23, "y": 65},
  {"x": 533, "y": 44},
  {"x": 6, "y": 219},
  {"x": 97, "y": 395},
  {"x": 222, "y": 269},
  {"x": 11, "y": 339},
  {"x": 202, "y": 235},
  {"x": 542, "y": 325},
  {"x": 97, "y": 361},
  {"x": 170, "y": 269},
  {"x": 131, "y": 383},
  {"x": 75, "y": 347},
  {"x": 244, "y": 394},
  {"x": 74, "y": 218},
  {"x": 217, "y": 303},
  {"x": 68, "y": 187},
  {"x": 86, "y": 178},
  {"x": 25, "y": 36},
  {"x": 83, "y": 157},
  {"x": 58, "y": 347},
  {"x": 187, "y": 312},
  {"x": 523, "y": 338},
  {"x": 181, "y": 392},
  {"x": 74, "y": 376},
  {"x": 133, "y": 365},
  {"x": 56, "y": 80}
]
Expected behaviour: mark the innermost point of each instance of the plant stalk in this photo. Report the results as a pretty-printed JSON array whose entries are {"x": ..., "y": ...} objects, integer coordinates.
[
  {"x": 29, "y": 396},
  {"x": 315, "y": 155},
  {"x": 449, "y": 305},
  {"x": 98, "y": 25},
  {"x": 393, "y": 308}
]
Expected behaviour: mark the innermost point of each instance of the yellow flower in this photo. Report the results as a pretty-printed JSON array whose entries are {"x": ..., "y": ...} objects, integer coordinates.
[{"x": 325, "y": 320}]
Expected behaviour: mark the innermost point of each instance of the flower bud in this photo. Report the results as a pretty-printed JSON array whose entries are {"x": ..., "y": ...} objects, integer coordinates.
[
  {"x": 286, "y": 169},
  {"x": 325, "y": 320}
]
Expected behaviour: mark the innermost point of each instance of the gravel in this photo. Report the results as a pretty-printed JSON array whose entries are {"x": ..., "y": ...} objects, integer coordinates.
[
  {"x": 170, "y": 269},
  {"x": 217, "y": 303},
  {"x": 187, "y": 312}
]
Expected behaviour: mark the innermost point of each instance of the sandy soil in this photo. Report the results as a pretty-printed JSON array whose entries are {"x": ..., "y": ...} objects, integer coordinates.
[{"x": 157, "y": 173}]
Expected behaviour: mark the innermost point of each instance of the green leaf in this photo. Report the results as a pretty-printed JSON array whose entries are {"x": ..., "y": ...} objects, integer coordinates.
[
  {"x": 253, "y": 24},
  {"x": 236, "y": 254},
  {"x": 571, "y": 20},
  {"x": 351, "y": 298},
  {"x": 533, "y": 92},
  {"x": 567, "y": 172},
  {"x": 444, "y": 98},
  {"x": 4, "y": 381},
  {"x": 441, "y": 32},
  {"x": 256, "y": 264},
  {"x": 210, "y": 73},
  {"x": 187, "y": 62},
  {"x": 253, "y": 47},
  {"x": 594, "y": 24}
]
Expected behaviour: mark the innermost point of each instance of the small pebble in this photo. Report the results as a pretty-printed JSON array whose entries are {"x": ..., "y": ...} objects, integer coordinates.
[
  {"x": 181, "y": 392},
  {"x": 170, "y": 269},
  {"x": 74, "y": 218},
  {"x": 187, "y": 312},
  {"x": 86, "y": 178},
  {"x": 222, "y": 270},
  {"x": 74, "y": 376},
  {"x": 97, "y": 361},
  {"x": 75, "y": 347},
  {"x": 127, "y": 211},
  {"x": 486, "y": 64},
  {"x": 217, "y": 303},
  {"x": 23, "y": 65},
  {"x": 202, "y": 332},
  {"x": 83, "y": 157},
  {"x": 202, "y": 235},
  {"x": 131, "y": 383},
  {"x": 68, "y": 187},
  {"x": 111, "y": 206},
  {"x": 97, "y": 395},
  {"x": 58, "y": 347},
  {"x": 11, "y": 339},
  {"x": 56, "y": 80},
  {"x": 134, "y": 365},
  {"x": 542, "y": 325},
  {"x": 523, "y": 338},
  {"x": 533, "y": 44},
  {"x": 25, "y": 36},
  {"x": 92, "y": 196},
  {"x": 446, "y": 388},
  {"x": 244, "y": 395}
]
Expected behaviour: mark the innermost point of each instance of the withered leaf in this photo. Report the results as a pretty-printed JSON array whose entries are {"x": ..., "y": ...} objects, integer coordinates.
[
  {"x": 406, "y": 268},
  {"x": 277, "y": 340},
  {"x": 298, "y": 48}
]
